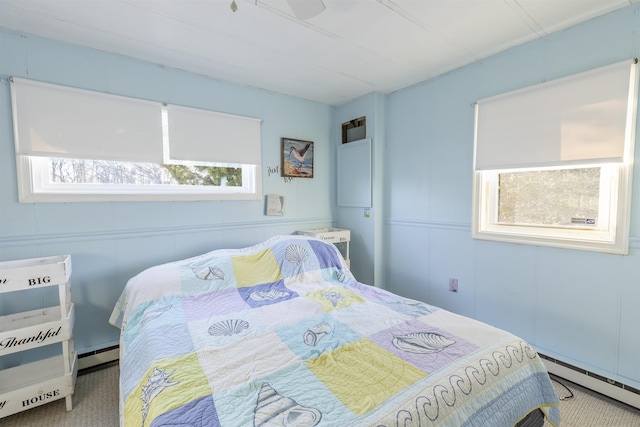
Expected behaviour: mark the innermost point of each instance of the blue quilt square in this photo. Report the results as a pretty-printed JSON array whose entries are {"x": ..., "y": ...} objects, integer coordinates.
[
  {"x": 207, "y": 274},
  {"x": 266, "y": 294},
  {"x": 170, "y": 340},
  {"x": 198, "y": 413},
  {"x": 312, "y": 337},
  {"x": 326, "y": 254}
]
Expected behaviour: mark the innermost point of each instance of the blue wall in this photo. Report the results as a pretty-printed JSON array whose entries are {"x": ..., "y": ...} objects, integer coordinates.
[
  {"x": 366, "y": 232},
  {"x": 580, "y": 307},
  {"x": 110, "y": 242}
]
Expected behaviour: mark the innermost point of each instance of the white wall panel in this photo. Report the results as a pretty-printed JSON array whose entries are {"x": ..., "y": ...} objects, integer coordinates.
[
  {"x": 578, "y": 307},
  {"x": 629, "y": 348},
  {"x": 505, "y": 286},
  {"x": 452, "y": 256}
]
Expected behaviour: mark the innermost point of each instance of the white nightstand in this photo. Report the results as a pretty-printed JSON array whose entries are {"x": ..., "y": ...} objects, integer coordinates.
[{"x": 338, "y": 236}]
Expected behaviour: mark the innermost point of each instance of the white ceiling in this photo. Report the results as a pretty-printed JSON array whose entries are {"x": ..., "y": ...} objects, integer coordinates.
[{"x": 352, "y": 48}]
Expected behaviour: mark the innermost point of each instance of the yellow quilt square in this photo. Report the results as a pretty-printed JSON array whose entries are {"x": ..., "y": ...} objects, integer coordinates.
[
  {"x": 363, "y": 375},
  {"x": 168, "y": 384},
  {"x": 335, "y": 298},
  {"x": 261, "y": 267}
]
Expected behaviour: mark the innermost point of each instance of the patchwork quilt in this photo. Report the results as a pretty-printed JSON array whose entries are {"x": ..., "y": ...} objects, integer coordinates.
[{"x": 281, "y": 333}]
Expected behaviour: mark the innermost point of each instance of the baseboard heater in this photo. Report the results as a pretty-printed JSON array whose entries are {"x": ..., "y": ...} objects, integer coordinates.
[
  {"x": 98, "y": 357},
  {"x": 598, "y": 383}
]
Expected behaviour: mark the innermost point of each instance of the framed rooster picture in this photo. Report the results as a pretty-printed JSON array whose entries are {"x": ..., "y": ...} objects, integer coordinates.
[{"x": 297, "y": 158}]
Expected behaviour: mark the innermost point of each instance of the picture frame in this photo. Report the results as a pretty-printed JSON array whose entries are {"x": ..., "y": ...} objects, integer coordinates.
[{"x": 297, "y": 158}]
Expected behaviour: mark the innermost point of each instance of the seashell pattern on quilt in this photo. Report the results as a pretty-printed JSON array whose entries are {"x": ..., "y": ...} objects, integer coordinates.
[
  {"x": 422, "y": 342},
  {"x": 273, "y": 409},
  {"x": 270, "y": 295},
  {"x": 228, "y": 327},
  {"x": 296, "y": 254},
  {"x": 157, "y": 381},
  {"x": 315, "y": 333},
  {"x": 209, "y": 273}
]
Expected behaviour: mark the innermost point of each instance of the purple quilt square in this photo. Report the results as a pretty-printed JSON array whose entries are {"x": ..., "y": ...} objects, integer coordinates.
[
  {"x": 213, "y": 303},
  {"x": 425, "y": 346}
]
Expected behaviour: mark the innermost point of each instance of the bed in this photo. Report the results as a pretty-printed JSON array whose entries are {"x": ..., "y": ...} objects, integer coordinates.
[{"x": 282, "y": 334}]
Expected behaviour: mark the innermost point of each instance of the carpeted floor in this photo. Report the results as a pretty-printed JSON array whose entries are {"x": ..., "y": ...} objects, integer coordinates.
[
  {"x": 96, "y": 405},
  {"x": 590, "y": 409}
]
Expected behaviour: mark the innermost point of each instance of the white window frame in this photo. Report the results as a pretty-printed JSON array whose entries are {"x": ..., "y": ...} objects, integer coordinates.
[
  {"x": 610, "y": 235},
  {"x": 603, "y": 237},
  {"x": 34, "y": 186},
  {"x": 53, "y": 138}
]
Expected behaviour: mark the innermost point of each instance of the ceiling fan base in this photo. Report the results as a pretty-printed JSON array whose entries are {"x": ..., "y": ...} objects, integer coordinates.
[{"x": 305, "y": 9}]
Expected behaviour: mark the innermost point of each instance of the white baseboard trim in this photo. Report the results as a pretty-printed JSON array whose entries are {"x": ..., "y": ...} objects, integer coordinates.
[
  {"x": 98, "y": 357},
  {"x": 594, "y": 382}
]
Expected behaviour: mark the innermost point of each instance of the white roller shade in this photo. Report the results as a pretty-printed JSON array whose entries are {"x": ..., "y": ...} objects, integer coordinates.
[
  {"x": 579, "y": 119},
  {"x": 209, "y": 136},
  {"x": 58, "y": 121}
]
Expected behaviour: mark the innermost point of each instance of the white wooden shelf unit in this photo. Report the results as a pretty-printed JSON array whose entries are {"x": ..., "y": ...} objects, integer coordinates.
[
  {"x": 33, "y": 384},
  {"x": 339, "y": 236}
]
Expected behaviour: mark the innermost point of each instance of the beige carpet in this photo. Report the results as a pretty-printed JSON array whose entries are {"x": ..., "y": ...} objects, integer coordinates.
[
  {"x": 590, "y": 409},
  {"x": 96, "y": 405}
]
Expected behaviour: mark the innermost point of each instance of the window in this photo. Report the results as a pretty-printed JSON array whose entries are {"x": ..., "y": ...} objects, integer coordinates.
[
  {"x": 524, "y": 197},
  {"x": 77, "y": 145},
  {"x": 63, "y": 179},
  {"x": 553, "y": 162}
]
